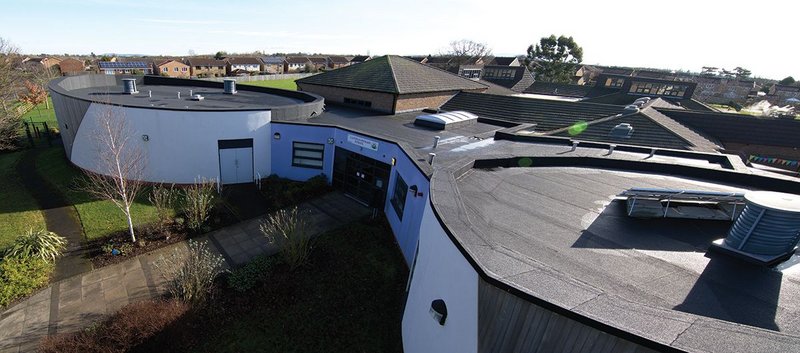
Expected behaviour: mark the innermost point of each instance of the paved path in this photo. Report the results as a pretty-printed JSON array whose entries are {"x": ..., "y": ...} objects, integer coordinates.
[
  {"x": 59, "y": 216},
  {"x": 76, "y": 302}
]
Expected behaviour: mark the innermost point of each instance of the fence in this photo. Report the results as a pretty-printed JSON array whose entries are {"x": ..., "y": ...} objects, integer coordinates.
[{"x": 261, "y": 77}]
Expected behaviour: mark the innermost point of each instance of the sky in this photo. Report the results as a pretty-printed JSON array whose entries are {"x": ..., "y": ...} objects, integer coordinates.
[{"x": 675, "y": 35}]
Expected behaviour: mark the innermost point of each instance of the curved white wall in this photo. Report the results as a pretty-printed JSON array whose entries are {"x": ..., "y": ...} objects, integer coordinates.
[
  {"x": 182, "y": 145},
  {"x": 441, "y": 272}
]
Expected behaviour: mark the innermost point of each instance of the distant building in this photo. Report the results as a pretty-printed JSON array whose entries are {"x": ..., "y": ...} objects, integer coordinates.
[
  {"x": 505, "y": 61},
  {"x": 172, "y": 68},
  {"x": 70, "y": 66},
  {"x": 779, "y": 94},
  {"x": 205, "y": 67},
  {"x": 125, "y": 67},
  {"x": 335, "y": 62},
  {"x": 389, "y": 84},
  {"x": 721, "y": 90},
  {"x": 242, "y": 65},
  {"x": 515, "y": 78},
  {"x": 39, "y": 62},
  {"x": 359, "y": 59},
  {"x": 273, "y": 64},
  {"x": 318, "y": 62},
  {"x": 296, "y": 64}
]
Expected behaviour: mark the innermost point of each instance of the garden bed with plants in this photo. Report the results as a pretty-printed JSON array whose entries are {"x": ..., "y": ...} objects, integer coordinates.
[{"x": 344, "y": 295}]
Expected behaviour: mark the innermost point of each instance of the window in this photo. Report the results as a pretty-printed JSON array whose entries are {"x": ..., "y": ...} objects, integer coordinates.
[
  {"x": 183, "y": 69},
  {"x": 165, "y": 69},
  {"x": 308, "y": 155},
  {"x": 176, "y": 69},
  {"x": 358, "y": 102},
  {"x": 615, "y": 82},
  {"x": 399, "y": 196}
]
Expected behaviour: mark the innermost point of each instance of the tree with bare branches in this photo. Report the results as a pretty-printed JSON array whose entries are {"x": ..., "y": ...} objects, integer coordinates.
[
  {"x": 466, "y": 50},
  {"x": 120, "y": 163},
  {"x": 10, "y": 122}
]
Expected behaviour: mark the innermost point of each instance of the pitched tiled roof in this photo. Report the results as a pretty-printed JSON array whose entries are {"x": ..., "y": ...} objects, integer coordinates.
[
  {"x": 318, "y": 60},
  {"x": 205, "y": 62},
  {"x": 243, "y": 60},
  {"x": 568, "y": 90},
  {"x": 503, "y": 60},
  {"x": 393, "y": 74},
  {"x": 272, "y": 59},
  {"x": 646, "y": 132},
  {"x": 359, "y": 58},
  {"x": 545, "y": 113},
  {"x": 163, "y": 62},
  {"x": 297, "y": 60},
  {"x": 338, "y": 59},
  {"x": 739, "y": 128}
]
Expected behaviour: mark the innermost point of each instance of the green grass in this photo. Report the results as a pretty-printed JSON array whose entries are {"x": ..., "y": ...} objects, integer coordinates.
[
  {"x": 282, "y": 84},
  {"x": 98, "y": 217},
  {"x": 348, "y": 298},
  {"x": 42, "y": 114},
  {"x": 18, "y": 210}
]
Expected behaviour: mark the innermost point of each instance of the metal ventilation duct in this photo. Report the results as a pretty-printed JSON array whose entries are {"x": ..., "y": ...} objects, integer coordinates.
[
  {"x": 230, "y": 86},
  {"x": 621, "y": 131},
  {"x": 129, "y": 86},
  {"x": 769, "y": 225}
]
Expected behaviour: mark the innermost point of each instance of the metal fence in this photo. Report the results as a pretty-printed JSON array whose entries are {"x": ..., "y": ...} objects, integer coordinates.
[{"x": 261, "y": 77}]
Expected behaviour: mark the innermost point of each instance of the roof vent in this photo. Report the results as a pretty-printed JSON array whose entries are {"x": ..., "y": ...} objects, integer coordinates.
[
  {"x": 443, "y": 121},
  {"x": 129, "y": 86},
  {"x": 622, "y": 131},
  {"x": 630, "y": 109},
  {"x": 230, "y": 86},
  {"x": 643, "y": 100},
  {"x": 768, "y": 228},
  {"x": 197, "y": 97}
]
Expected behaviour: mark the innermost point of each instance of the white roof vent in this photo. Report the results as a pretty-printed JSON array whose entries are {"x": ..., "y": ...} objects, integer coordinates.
[
  {"x": 622, "y": 131},
  {"x": 443, "y": 121},
  {"x": 630, "y": 109},
  {"x": 197, "y": 97},
  {"x": 229, "y": 85},
  {"x": 643, "y": 100},
  {"x": 767, "y": 230}
]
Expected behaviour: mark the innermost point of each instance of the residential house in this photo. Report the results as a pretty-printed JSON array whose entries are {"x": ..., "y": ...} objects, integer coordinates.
[
  {"x": 335, "y": 62},
  {"x": 319, "y": 62},
  {"x": 779, "y": 94},
  {"x": 296, "y": 64},
  {"x": 586, "y": 75},
  {"x": 125, "y": 67},
  {"x": 243, "y": 65},
  {"x": 722, "y": 90},
  {"x": 388, "y": 84},
  {"x": 70, "y": 66},
  {"x": 359, "y": 59},
  {"x": 172, "y": 68},
  {"x": 39, "y": 62},
  {"x": 273, "y": 64},
  {"x": 206, "y": 67}
]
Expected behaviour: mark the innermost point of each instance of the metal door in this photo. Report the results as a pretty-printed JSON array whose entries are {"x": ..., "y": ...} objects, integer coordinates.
[{"x": 235, "y": 161}]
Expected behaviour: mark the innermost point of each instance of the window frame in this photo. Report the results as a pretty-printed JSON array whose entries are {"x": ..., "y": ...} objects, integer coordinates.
[
  {"x": 321, "y": 151},
  {"x": 399, "y": 201}
]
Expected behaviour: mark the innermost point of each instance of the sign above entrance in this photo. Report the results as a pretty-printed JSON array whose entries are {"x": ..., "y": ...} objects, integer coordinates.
[{"x": 362, "y": 142}]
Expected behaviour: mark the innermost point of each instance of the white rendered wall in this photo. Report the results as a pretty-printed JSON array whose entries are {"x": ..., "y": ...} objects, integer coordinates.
[
  {"x": 441, "y": 272},
  {"x": 182, "y": 145}
]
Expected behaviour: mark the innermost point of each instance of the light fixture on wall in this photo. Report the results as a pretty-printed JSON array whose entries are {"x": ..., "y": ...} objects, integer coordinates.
[
  {"x": 145, "y": 138},
  {"x": 277, "y": 135},
  {"x": 394, "y": 161},
  {"x": 414, "y": 189},
  {"x": 439, "y": 311}
]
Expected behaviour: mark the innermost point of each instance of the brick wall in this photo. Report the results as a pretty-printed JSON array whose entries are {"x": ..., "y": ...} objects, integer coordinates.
[
  {"x": 419, "y": 101},
  {"x": 171, "y": 69},
  {"x": 383, "y": 102}
]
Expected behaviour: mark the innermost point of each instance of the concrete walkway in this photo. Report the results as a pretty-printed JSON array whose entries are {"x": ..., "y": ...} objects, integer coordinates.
[{"x": 77, "y": 302}]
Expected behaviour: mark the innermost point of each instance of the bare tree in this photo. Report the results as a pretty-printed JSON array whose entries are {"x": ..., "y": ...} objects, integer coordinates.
[
  {"x": 467, "y": 50},
  {"x": 10, "y": 122},
  {"x": 120, "y": 163}
]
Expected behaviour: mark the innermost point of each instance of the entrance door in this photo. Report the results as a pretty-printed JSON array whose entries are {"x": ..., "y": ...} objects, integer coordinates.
[
  {"x": 361, "y": 177},
  {"x": 236, "y": 161}
]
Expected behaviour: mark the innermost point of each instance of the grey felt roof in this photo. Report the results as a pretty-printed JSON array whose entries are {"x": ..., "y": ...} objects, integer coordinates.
[
  {"x": 547, "y": 114},
  {"x": 393, "y": 74}
]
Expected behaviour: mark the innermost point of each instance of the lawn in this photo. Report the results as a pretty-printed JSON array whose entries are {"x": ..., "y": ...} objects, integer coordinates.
[
  {"x": 99, "y": 218},
  {"x": 282, "y": 84},
  {"x": 18, "y": 210},
  {"x": 42, "y": 114}
]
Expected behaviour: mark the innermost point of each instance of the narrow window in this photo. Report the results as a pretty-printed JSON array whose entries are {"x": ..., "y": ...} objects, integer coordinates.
[
  {"x": 308, "y": 155},
  {"x": 399, "y": 196}
]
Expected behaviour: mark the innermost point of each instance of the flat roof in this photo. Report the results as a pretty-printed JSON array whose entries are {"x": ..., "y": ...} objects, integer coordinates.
[
  {"x": 558, "y": 234},
  {"x": 167, "y": 97}
]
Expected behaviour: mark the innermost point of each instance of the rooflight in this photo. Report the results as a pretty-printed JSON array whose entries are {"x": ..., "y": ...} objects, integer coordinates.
[{"x": 442, "y": 121}]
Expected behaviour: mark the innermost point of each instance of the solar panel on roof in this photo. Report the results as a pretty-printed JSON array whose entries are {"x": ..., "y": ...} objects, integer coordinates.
[{"x": 120, "y": 65}]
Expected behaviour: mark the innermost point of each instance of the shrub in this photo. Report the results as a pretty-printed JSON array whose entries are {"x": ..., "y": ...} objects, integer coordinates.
[
  {"x": 289, "y": 230},
  {"x": 37, "y": 243},
  {"x": 20, "y": 277},
  {"x": 162, "y": 198},
  {"x": 256, "y": 271},
  {"x": 190, "y": 275},
  {"x": 130, "y": 326},
  {"x": 198, "y": 201}
]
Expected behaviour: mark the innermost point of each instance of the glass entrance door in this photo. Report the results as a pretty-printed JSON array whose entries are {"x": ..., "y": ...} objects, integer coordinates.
[{"x": 361, "y": 177}]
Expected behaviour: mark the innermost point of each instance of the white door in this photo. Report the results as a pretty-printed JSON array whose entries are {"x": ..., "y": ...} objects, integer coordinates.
[{"x": 236, "y": 165}]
